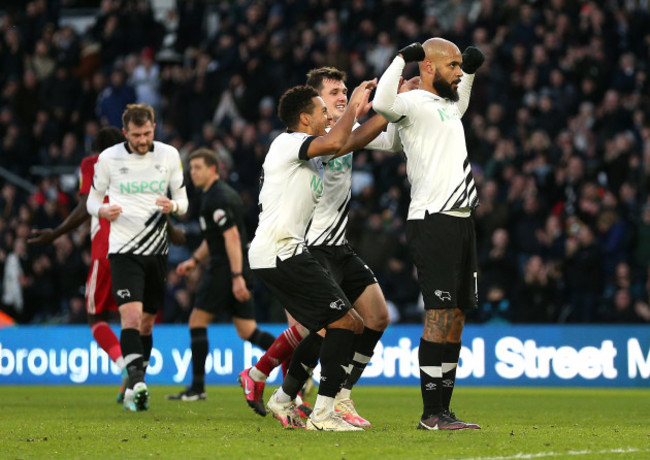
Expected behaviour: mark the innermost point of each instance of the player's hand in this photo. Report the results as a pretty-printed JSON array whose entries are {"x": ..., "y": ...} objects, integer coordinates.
[
  {"x": 42, "y": 236},
  {"x": 110, "y": 212},
  {"x": 165, "y": 205},
  {"x": 186, "y": 267},
  {"x": 472, "y": 59},
  {"x": 176, "y": 234},
  {"x": 409, "y": 85},
  {"x": 412, "y": 53},
  {"x": 239, "y": 289},
  {"x": 364, "y": 105},
  {"x": 362, "y": 92}
]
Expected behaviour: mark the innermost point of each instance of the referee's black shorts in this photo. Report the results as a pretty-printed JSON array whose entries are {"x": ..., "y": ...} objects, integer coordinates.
[
  {"x": 443, "y": 248},
  {"x": 306, "y": 290},
  {"x": 214, "y": 293},
  {"x": 139, "y": 278},
  {"x": 346, "y": 267}
]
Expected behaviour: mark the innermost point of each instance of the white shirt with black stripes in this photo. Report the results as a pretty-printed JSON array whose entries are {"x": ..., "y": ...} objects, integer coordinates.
[
  {"x": 329, "y": 222},
  {"x": 431, "y": 131},
  {"x": 134, "y": 182},
  {"x": 291, "y": 187}
]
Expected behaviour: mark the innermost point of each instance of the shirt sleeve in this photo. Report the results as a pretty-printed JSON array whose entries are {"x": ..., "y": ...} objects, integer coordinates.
[
  {"x": 177, "y": 184},
  {"x": 387, "y": 141},
  {"x": 464, "y": 92},
  {"x": 386, "y": 101},
  {"x": 302, "y": 153},
  {"x": 223, "y": 216},
  {"x": 86, "y": 173},
  {"x": 100, "y": 183}
]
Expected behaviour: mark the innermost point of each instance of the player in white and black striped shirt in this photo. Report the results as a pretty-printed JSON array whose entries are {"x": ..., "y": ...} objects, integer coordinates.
[
  {"x": 137, "y": 175},
  {"x": 440, "y": 231}
]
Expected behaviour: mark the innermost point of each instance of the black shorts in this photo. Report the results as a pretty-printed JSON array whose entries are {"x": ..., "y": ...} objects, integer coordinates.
[
  {"x": 346, "y": 267},
  {"x": 139, "y": 279},
  {"x": 444, "y": 251},
  {"x": 306, "y": 290},
  {"x": 215, "y": 293}
]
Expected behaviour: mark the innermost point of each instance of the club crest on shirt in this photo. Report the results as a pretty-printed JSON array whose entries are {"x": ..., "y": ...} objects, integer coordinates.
[
  {"x": 442, "y": 295},
  {"x": 162, "y": 169}
]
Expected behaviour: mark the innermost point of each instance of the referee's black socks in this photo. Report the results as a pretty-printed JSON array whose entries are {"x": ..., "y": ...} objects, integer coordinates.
[
  {"x": 430, "y": 355},
  {"x": 199, "y": 346}
]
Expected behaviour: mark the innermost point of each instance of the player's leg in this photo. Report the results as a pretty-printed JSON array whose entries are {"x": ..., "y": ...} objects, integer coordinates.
[
  {"x": 468, "y": 299},
  {"x": 213, "y": 293},
  {"x": 254, "y": 378},
  {"x": 371, "y": 306},
  {"x": 128, "y": 280},
  {"x": 99, "y": 302},
  {"x": 437, "y": 247},
  {"x": 334, "y": 358},
  {"x": 312, "y": 297}
]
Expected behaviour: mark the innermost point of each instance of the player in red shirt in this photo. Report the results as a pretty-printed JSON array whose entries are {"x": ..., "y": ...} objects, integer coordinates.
[{"x": 99, "y": 298}]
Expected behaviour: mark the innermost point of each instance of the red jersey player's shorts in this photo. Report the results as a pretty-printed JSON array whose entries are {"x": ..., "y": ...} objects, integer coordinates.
[{"x": 99, "y": 297}]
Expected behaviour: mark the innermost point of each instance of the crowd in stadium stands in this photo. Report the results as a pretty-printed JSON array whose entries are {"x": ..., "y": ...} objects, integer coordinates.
[{"x": 558, "y": 133}]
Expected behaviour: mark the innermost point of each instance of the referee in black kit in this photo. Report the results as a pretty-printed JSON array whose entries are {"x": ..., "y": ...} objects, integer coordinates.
[
  {"x": 227, "y": 280},
  {"x": 440, "y": 230}
]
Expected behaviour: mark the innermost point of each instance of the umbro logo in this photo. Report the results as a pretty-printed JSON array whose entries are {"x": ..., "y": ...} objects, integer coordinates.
[
  {"x": 430, "y": 386},
  {"x": 442, "y": 295},
  {"x": 448, "y": 383},
  {"x": 123, "y": 170},
  {"x": 123, "y": 293}
]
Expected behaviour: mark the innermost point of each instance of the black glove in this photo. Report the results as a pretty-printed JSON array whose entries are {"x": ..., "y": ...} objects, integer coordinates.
[
  {"x": 472, "y": 59},
  {"x": 413, "y": 52}
]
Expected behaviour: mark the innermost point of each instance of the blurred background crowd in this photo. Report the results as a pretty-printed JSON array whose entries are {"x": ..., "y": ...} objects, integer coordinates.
[{"x": 558, "y": 133}]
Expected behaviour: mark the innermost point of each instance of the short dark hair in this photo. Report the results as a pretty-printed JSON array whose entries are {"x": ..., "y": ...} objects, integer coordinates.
[
  {"x": 295, "y": 101},
  {"x": 107, "y": 137},
  {"x": 315, "y": 77},
  {"x": 209, "y": 157},
  {"x": 138, "y": 114}
]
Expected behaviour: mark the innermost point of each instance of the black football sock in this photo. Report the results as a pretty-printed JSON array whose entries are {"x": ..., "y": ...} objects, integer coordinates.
[
  {"x": 199, "y": 346},
  {"x": 364, "y": 346},
  {"x": 303, "y": 361},
  {"x": 262, "y": 339},
  {"x": 430, "y": 356},
  {"x": 147, "y": 345},
  {"x": 334, "y": 357},
  {"x": 450, "y": 357},
  {"x": 132, "y": 352}
]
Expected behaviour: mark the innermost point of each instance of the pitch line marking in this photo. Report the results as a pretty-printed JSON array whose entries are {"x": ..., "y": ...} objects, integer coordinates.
[{"x": 558, "y": 454}]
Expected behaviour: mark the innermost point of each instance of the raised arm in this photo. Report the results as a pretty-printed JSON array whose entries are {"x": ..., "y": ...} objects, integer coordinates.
[{"x": 335, "y": 140}]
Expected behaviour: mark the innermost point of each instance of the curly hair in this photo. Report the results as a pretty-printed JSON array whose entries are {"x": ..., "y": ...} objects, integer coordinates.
[{"x": 295, "y": 101}]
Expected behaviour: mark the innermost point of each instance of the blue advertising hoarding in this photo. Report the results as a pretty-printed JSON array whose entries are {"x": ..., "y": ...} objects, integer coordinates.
[{"x": 534, "y": 355}]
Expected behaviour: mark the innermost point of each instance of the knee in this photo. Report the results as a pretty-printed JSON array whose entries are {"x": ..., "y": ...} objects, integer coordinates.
[{"x": 379, "y": 321}]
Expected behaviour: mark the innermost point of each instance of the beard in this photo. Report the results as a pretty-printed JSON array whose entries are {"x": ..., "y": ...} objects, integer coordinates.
[
  {"x": 444, "y": 88},
  {"x": 141, "y": 148}
]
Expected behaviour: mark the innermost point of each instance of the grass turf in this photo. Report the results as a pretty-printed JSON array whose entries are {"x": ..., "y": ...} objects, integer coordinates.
[{"x": 85, "y": 422}]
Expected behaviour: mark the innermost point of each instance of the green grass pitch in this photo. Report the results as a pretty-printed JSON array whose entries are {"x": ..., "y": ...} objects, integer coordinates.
[{"x": 529, "y": 423}]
